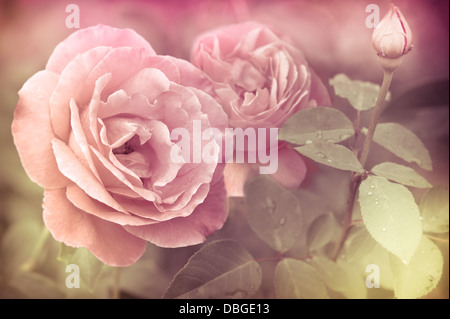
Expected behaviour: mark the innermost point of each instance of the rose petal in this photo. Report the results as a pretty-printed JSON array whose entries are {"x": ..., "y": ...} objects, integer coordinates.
[
  {"x": 85, "y": 203},
  {"x": 72, "y": 85},
  {"x": 96, "y": 36},
  {"x": 291, "y": 167},
  {"x": 149, "y": 82},
  {"x": 71, "y": 167},
  {"x": 184, "y": 231},
  {"x": 235, "y": 176},
  {"x": 32, "y": 131},
  {"x": 109, "y": 242}
]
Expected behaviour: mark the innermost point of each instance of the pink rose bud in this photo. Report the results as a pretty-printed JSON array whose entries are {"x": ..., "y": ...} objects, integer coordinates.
[{"x": 392, "y": 38}]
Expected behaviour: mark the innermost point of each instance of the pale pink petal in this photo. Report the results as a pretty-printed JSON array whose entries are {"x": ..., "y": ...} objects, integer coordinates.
[
  {"x": 184, "y": 231},
  {"x": 291, "y": 167},
  {"x": 96, "y": 36},
  {"x": 73, "y": 169},
  {"x": 85, "y": 203},
  {"x": 72, "y": 85},
  {"x": 149, "y": 82},
  {"x": 120, "y": 103},
  {"x": 235, "y": 176},
  {"x": 32, "y": 130},
  {"x": 109, "y": 242}
]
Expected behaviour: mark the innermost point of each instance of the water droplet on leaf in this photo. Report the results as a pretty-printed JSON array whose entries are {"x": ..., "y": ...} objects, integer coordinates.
[
  {"x": 370, "y": 193},
  {"x": 321, "y": 155},
  {"x": 282, "y": 220},
  {"x": 319, "y": 135},
  {"x": 308, "y": 142}
]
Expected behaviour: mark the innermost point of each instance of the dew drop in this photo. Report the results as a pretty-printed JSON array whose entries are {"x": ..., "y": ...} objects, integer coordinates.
[
  {"x": 404, "y": 261},
  {"x": 329, "y": 161},
  {"x": 330, "y": 140},
  {"x": 308, "y": 142},
  {"x": 282, "y": 220},
  {"x": 319, "y": 135},
  {"x": 372, "y": 186},
  {"x": 370, "y": 193},
  {"x": 321, "y": 155},
  {"x": 420, "y": 218},
  {"x": 270, "y": 204},
  {"x": 384, "y": 229},
  {"x": 377, "y": 202}
]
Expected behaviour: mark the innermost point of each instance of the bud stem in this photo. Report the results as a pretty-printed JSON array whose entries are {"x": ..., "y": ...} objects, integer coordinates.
[{"x": 379, "y": 108}]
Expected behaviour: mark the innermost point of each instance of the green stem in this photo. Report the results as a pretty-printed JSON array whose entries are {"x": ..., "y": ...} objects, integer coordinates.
[
  {"x": 116, "y": 284},
  {"x": 379, "y": 108},
  {"x": 356, "y": 178},
  {"x": 30, "y": 264}
]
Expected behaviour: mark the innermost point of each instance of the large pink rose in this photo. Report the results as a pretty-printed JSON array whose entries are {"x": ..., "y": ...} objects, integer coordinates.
[
  {"x": 261, "y": 80},
  {"x": 93, "y": 129}
]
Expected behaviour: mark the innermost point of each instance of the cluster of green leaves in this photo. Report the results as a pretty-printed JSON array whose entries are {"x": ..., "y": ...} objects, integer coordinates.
[{"x": 389, "y": 229}]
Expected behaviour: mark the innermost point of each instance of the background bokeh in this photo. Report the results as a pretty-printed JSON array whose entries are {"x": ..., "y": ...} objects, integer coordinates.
[{"x": 331, "y": 33}]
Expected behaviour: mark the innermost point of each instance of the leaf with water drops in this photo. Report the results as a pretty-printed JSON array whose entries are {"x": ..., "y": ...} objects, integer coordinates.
[
  {"x": 295, "y": 279},
  {"x": 421, "y": 275},
  {"x": 321, "y": 231},
  {"x": 361, "y": 95},
  {"x": 400, "y": 174},
  {"x": 403, "y": 143},
  {"x": 318, "y": 124},
  {"x": 391, "y": 215},
  {"x": 333, "y": 155},
  {"x": 434, "y": 209},
  {"x": 221, "y": 269},
  {"x": 273, "y": 213}
]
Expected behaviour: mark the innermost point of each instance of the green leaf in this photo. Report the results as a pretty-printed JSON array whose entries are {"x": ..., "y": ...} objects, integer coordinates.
[
  {"x": 321, "y": 231},
  {"x": 421, "y": 275},
  {"x": 221, "y": 269},
  {"x": 356, "y": 282},
  {"x": 90, "y": 267},
  {"x": 359, "y": 245},
  {"x": 333, "y": 274},
  {"x": 273, "y": 213},
  {"x": 295, "y": 279},
  {"x": 391, "y": 215},
  {"x": 434, "y": 208},
  {"x": 318, "y": 124},
  {"x": 403, "y": 143},
  {"x": 333, "y": 155},
  {"x": 376, "y": 255},
  {"x": 361, "y": 95},
  {"x": 400, "y": 174}
]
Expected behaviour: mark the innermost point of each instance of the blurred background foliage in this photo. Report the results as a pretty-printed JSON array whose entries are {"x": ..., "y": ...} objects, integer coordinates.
[{"x": 335, "y": 40}]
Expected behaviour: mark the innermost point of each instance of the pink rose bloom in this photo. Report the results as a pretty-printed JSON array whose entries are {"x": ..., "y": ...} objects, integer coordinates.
[
  {"x": 261, "y": 80},
  {"x": 93, "y": 129}
]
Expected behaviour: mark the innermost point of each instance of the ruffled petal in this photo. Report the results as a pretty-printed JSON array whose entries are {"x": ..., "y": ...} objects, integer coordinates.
[
  {"x": 33, "y": 132},
  {"x": 109, "y": 242},
  {"x": 191, "y": 230},
  {"x": 86, "y": 39}
]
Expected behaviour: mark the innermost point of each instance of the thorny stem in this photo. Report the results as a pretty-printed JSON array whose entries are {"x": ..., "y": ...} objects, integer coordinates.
[{"x": 357, "y": 178}]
